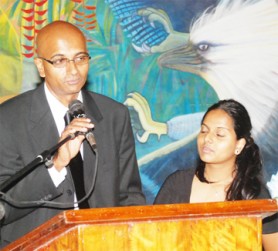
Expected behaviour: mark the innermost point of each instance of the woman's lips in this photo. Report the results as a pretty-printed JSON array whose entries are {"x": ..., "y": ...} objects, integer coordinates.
[{"x": 206, "y": 149}]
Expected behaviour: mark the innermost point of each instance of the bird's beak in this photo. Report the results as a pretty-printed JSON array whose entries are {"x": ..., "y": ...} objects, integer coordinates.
[{"x": 184, "y": 58}]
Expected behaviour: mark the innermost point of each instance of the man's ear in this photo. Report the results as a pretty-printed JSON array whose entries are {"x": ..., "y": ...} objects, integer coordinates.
[
  {"x": 40, "y": 67},
  {"x": 240, "y": 145}
]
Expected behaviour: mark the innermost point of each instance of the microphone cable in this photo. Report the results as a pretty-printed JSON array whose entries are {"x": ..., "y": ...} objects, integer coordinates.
[{"x": 52, "y": 204}]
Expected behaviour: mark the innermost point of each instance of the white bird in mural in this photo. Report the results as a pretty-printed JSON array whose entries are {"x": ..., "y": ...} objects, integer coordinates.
[{"x": 234, "y": 47}]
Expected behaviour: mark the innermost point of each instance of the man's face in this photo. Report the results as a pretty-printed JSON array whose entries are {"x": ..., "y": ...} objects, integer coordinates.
[{"x": 66, "y": 82}]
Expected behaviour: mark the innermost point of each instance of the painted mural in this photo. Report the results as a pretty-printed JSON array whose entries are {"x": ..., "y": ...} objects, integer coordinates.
[{"x": 167, "y": 60}]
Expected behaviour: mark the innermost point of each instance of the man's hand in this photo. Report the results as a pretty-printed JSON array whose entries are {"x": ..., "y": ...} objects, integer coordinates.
[{"x": 70, "y": 149}]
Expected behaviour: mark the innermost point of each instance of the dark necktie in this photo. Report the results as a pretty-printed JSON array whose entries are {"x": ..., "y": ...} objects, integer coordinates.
[{"x": 77, "y": 173}]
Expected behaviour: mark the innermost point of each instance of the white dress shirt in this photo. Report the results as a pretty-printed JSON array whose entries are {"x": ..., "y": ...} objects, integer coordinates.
[{"x": 58, "y": 111}]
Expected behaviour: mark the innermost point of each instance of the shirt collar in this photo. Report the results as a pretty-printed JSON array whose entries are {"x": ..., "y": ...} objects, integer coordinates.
[{"x": 58, "y": 110}]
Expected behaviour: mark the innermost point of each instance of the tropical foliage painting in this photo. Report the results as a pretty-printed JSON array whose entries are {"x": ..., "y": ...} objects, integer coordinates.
[{"x": 167, "y": 61}]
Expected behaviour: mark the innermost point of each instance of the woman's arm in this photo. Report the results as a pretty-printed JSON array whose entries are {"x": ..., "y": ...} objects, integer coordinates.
[{"x": 270, "y": 242}]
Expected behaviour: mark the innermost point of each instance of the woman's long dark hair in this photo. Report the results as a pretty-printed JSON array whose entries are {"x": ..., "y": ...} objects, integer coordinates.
[{"x": 247, "y": 182}]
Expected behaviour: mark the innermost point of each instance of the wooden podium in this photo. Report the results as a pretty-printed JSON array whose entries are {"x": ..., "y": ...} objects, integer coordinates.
[{"x": 202, "y": 226}]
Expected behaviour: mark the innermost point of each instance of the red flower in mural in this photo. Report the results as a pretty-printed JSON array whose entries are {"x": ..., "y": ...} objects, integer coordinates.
[{"x": 35, "y": 16}]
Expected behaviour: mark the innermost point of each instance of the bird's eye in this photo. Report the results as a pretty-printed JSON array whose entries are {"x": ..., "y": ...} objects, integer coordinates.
[{"x": 203, "y": 47}]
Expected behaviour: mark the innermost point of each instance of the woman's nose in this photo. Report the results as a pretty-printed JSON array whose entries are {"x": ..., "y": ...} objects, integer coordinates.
[{"x": 209, "y": 137}]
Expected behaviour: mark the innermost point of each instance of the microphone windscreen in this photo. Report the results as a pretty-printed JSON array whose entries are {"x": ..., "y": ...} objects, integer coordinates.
[{"x": 76, "y": 109}]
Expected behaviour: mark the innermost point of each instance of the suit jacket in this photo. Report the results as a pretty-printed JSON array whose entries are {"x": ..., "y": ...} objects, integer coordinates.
[{"x": 27, "y": 128}]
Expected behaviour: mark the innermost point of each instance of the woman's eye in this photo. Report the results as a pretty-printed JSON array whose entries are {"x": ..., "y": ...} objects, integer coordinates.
[{"x": 220, "y": 135}]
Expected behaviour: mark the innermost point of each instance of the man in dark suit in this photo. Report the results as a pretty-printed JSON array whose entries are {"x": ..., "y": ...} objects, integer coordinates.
[{"x": 32, "y": 122}]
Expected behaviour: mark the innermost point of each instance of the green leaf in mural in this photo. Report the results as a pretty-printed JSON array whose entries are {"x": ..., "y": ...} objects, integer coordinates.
[{"x": 10, "y": 56}]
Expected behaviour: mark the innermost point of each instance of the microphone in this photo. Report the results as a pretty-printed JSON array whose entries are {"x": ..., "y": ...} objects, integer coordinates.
[{"x": 77, "y": 110}]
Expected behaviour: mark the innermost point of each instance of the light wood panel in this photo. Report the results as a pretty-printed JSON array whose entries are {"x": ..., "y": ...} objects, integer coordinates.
[{"x": 191, "y": 227}]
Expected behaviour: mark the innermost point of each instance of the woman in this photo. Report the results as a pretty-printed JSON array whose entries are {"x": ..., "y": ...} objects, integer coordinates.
[{"x": 229, "y": 169}]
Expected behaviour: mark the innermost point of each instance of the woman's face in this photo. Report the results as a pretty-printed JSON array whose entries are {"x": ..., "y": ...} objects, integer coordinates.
[{"x": 217, "y": 141}]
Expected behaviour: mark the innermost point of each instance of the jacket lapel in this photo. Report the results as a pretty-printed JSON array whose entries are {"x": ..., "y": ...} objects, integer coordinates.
[
  {"x": 42, "y": 126},
  {"x": 92, "y": 111}
]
